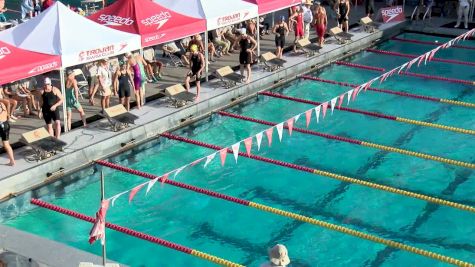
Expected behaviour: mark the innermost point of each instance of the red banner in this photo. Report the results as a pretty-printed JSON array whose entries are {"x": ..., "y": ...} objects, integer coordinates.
[{"x": 392, "y": 14}]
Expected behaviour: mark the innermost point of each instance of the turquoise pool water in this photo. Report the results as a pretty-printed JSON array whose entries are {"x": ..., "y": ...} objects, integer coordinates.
[{"x": 242, "y": 234}]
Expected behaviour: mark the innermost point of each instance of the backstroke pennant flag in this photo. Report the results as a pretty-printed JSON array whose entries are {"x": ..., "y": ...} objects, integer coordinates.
[
  {"x": 248, "y": 145},
  {"x": 317, "y": 112},
  {"x": 420, "y": 58},
  {"x": 340, "y": 100},
  {"x": 308, "y": 116},
  {"x": 259, "y": 140},
  {"x": 164, "y": 178},
  {"x": 178, "y": 171},
  {"x": 332, "y": 104},
  {"x": 113, "y": 199},
  {"x": 209, "y": 158},
  {"x": 223, "y": 153},
  {"x": 150, "y": 184},
  {"x": 99, "y": 227},
  {"x": 196, "y": 162},
  {"x": 134, "y": 191},
  {"x": 290, "y": 125},
  {"x": 235, "y": 149},
  {"x": 356, "y": 90},
  {"x": 297, "y": 117},
  {"x": 402, "y": 68},
  {"x": 350, "y": 93},
  {"x": 269, "y": 135},
  {"x": 280, "y": 128},
  {"x": 324, "y": 109}
]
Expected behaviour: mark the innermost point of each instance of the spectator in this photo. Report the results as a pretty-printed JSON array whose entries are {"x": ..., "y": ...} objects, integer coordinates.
[
  {"x": 50, "y": 100},
  {"x": 220, "y": 40},
  {"x": 37, "y": 7},
  {"x": 307, "y": 18},
  {"x": 292, "y": 11},
  {"x": 3, "y": 9},
  {"x": 248, "y": 45},
  {"x": 369, "y": 7},
  {"x": 27, "y": 9},
  {"x": 342, "y": 9},
  {"x": 5, "y": 133},
  {"x": 93, "y": 80},
  {"x": 137, "y": 79},
  {"x": 153, "y": 67},
  {"x": 278, "y": 257},
  {"x": 72, "y": 96},
  {"x": 251, "y": 27},
  {"x": 142, "y": 65},
  {"x": 227, "y": 33},
  {"x": 211, "y": 48},
  {"x": 321, "y": 23},
  {"x": 281, "y": 30},
  {"x": 104, "y": 85},
  {"x": 10, "y": 104},
  {"x": 17, "y": 92},
  {"x": 263, "y": 26},
  {"x": 297, "y": 20},
  {"x": 123, "y": 84},
  {"x": 173, "y": 49},
  {"x": 197, "y": 64},
  {"x": 462, "y": 11}
]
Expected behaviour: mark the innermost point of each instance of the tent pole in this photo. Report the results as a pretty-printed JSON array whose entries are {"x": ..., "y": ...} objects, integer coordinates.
[
  {"x": 206, "y": 55},
  {"x": 63, "y": 92},
  {"x": 258, "y": 38},
  {"x": 273, "y": 19}
]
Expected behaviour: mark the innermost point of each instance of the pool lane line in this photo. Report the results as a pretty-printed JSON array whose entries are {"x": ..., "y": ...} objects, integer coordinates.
[
  {"x": 335, "y": 176},
  {"x": 375, "y": 114},
  {"x": 137, "y": 234},
  {"x": 393, "y": 92},
  {"x": 295, "y": 216},
  {"x": 430, "y": 43},
  {"x": 356, "y": 141},
  {"x": 397, "y": 54},
  {"x": 406, "y": 73}
]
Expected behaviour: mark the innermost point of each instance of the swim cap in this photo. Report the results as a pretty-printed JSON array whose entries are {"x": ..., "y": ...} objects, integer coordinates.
[
  {"x": 194, "y": 48},
  {"x": 243, "y": 31}
]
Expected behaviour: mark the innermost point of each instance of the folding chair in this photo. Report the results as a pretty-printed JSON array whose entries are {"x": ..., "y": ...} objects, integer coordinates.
[
  {"x": 228, "y": 76},
  {"x": 179, "y": 96},
  {"x": 119, "y": 117},
  {"x": 82, "y": 82},
  {"x": 149, "y": 55},
  {"x": 368, "y": 24},
  {"x": 271, "y": 62},
  {"x": 43, "y": 144},
  {"x": 310, "y": 49},
  {"x": 341, "y": 36}
]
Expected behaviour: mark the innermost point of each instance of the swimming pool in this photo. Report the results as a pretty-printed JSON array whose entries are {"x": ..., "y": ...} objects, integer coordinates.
[{"x": 243, "y": 235}]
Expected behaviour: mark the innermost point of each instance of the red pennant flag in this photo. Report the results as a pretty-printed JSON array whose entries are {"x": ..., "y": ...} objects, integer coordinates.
[
  {"x": 269, "y": 135},
  {"x": 290, "y": 125},
  {"x": 134, "y": 191},
  {"x": 196, "y": 162},
  {"x": 324, "y": 109},
  {"x": 420, "y": 59},
  {"x": 223, "y": 153},
  {"x": 432, "y": 53},
  {"x": 99, "y": 227},
  {"x": 355, "y": 92},
  {"x": 308, "y": 116},
  {"x": 340, "y": 100},
  {"x": 164, "y": 178},
  {"x": 248, "y": 145}
]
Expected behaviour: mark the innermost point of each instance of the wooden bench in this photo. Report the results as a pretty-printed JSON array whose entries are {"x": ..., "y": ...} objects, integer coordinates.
[
  {"x": 271, "y": 62},
  {"x": 43, "y": 144},
  {"x": 341, "y": 36},
  {"x": 228, "y": 76},
  {"x": 119, "y": 117},
  {"x": 179, "y": 96},
  {"x": 310, "y": 49}
]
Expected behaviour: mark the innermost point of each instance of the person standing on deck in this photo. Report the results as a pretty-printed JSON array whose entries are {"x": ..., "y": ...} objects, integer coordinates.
[
  {"x": 297, "y": 20},
  {"x": 5, "y": 133},
  {"x": 320, "y": 22},
  {"x": 72, "y": 96},
  {"x": 105, "y": 82},
  {"x": 462, "y": 11},
  {"x": 307, "y": 18},
  {"x": 134, "y": 66},
  {"x": 50, "y": 100},
  {"x": 369, "y": 7},
  {"x": 197, "y": 64},
  {"x": 281, "y": 31},
  {"x": 248, "y": 45},
  {"x": 342, "y": 9}
]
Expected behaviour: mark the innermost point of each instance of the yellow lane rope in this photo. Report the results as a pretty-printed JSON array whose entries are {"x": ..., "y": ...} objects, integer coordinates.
[
  {"x": 214, "y": 259},
  {"x": 434, "y": 125}
]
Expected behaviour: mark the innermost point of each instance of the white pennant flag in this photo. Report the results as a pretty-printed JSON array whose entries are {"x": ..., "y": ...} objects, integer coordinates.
[
  {"x": 235, "y": 149},
  {"x": 317, "y": 112},
  {"x": 259, "y": 140},
  {"x": 209, "y": 159},
  {"x": 280, "y": 128},
  {"x": 350, "y": 93},
  {"x": 426, "y": 56},
  {"x": 333, "y": 103},
  {"x": 178, "y": 171},
  {"x": 297, "y": 117},
  {"x": 116, "y": 197},
  {"x": 402, "y": 68},
  {"x": 150, "y": 184}
]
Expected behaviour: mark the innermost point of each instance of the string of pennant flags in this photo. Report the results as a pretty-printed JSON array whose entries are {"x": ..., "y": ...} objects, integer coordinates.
[{"x": 319, "y": 112}]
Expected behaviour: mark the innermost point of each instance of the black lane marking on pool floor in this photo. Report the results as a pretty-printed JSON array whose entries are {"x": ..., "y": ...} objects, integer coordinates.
[{"x": 288, "y": 229}]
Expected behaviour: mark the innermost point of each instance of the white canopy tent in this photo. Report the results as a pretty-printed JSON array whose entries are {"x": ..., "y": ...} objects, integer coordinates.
[
  {"x": 76, "y": 39},
  {"x": 218, "y": 13}
]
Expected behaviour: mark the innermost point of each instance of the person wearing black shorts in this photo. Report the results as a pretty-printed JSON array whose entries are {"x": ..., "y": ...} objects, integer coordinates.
[
  {"x": 5, "y": 133},
  {"x": 280, "y": 30},
  {"x": 197, "y": 64},
  {"x": 247, "y": 45},
  {"x": 369, "y": 6},
  {"x": 50, "y": 101},
  {"x": 123, "y": 84}
]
